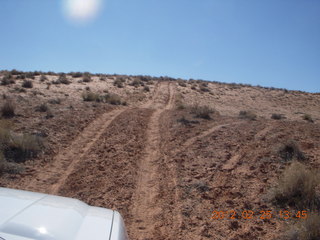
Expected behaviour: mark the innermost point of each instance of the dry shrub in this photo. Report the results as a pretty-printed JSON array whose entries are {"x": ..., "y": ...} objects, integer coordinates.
[
  {"x": 43, "y": 78},
  {"x": 90, "y": 96},
  {"x": 202, "y": 111},
  {"x": 296, "y": 187},
  {"x": 63, "y": 79},
  {"x": 146, "y": 89},
  {"x": 22, "y": 147},
  {"x": 113, "y": 99},
  {"x": 118, "y": 82},
  {"x": 86, "y": 78},
  {"x": 307, "y": 229},
  {"x": 307, "y": 117},
  {"x": 8, "y": 109},
  {"x": 18, "y": 147},
  {"x": 7, "y": 79},
  {"x": 55, "y": 101},
  {"x": 247, "y": 115},
  {"x": 42, "y": 108},
  {"x": 9, "y": 167},
  {"x": 136, "y": 83},
  {"x": 182, "y": 83},
  {"x": 27, "y": 84},
  {"x": 204, "y": 89},
  {"x": 277, "y": 116},
  {"x": 290, "y": 151}
]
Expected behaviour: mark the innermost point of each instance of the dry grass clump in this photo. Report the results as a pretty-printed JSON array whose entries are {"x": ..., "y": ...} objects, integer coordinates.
[
  {"x": 308, "y": 229},
  {"x": 247, "y": 115},
  {"x": 296, "y": 187},
  {"x": 8, "y": 109},
  {"x": 17, "y": 147},
  {"x": 202, "y": 111},
  {"x": 23, "y": 146},
  {"x": 277, "y": 116},
  {"x": 290, "y": 151},
  {"x": 27, "y": 84}
]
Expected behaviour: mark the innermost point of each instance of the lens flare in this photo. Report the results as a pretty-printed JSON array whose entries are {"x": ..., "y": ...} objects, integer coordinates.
[{"x": 81, "y": 10}]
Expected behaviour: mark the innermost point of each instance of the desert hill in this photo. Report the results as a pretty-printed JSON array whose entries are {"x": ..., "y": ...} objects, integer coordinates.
[{"x": 179, "y": 159}]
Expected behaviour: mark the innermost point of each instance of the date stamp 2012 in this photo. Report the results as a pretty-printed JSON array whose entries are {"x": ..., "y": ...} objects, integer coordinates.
[{"x": 264, "y": 214}]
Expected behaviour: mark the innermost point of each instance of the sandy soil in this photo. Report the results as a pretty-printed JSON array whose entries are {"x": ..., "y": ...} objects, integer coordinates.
[{"x": 166, "y": 177}]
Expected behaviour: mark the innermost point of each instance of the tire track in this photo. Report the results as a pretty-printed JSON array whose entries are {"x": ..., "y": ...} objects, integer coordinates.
[
  {"x": 50, "y": 180},
  {"x": 145, "y": 207}
]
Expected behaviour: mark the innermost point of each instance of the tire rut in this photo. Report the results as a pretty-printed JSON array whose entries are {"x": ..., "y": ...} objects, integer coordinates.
[
  {"x": 146, "y": 209},
  {"x": 65, "y": 161}
]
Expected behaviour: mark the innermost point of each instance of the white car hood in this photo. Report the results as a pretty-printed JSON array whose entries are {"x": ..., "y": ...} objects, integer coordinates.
[{"x": 27, "y": 215}]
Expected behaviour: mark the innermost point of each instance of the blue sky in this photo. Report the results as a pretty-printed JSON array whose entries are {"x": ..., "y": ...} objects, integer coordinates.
[{"x": 260, "y": 42}]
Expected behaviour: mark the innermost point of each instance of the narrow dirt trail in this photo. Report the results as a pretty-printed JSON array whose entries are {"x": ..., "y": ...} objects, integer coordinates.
[
  {"x": 54, "y": 176},
  {"x": 145, "y": 208}
]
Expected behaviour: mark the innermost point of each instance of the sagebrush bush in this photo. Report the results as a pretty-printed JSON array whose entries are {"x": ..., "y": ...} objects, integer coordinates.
[
  {"x": 113, "y": 99},
  {"x": 90, "y": 96},
  {"x": 290, "y": 150},
  {"x": 202, "y": 111},
  {"x": 118, "y": 83},
  {"x": 136, "y": 83},
  {"x": 27, "y": 84},
  {"x": 8, "y": 109},
  {"x": 204, "y": 89},
  {"x": 63, "y": 79},
  {"x": 296, "y": 187},
  {"x": 247, "y": 115},
  {"x": 18, "y": 147},
  {"x": 308, "y": 118},
  {"x": 277, "y": 116},
  {"x": 7, "y": 79},
  {"x": 182, "y": 84},
  {"x": 146, "y": 89},
  {"x": 43, "y": 78},
  {"x": 42, "y": 108},
  {"x": 86, "y": 78}
]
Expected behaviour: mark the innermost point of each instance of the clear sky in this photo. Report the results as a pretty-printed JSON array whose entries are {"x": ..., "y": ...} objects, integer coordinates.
[{"x": 260, "y": 42}]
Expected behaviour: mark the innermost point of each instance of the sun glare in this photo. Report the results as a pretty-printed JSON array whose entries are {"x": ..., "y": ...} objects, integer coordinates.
[{"x": 81, "y": 11}]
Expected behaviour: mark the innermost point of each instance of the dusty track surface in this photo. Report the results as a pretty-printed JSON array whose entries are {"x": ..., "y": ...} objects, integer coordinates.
[{"x": 165, "y": 170}]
